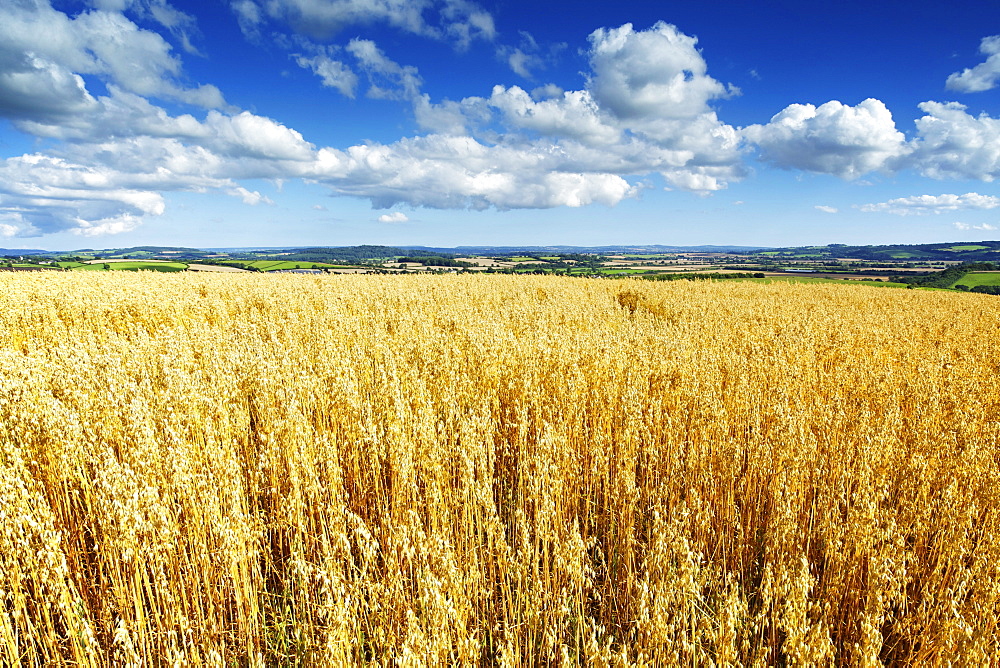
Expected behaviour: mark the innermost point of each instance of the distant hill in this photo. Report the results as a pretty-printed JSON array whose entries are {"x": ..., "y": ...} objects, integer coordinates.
[
  {"x": 332, "y": 254},
  {"x": 602, "y": 250},
  {"x": 16, "y": 252},
  {"x": 341, "y": 254},
  {"x": 136, "y": 252},
  {"x": 963, "y": 251},
  {"x": 311, "y": 254}
]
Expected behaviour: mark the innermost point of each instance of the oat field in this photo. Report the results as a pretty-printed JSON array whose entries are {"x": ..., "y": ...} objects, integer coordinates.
[{"x": 243, "y": 470}]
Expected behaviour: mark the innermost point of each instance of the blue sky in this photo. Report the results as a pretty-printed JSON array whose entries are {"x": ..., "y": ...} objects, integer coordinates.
[{"x": 453, "y": 122}]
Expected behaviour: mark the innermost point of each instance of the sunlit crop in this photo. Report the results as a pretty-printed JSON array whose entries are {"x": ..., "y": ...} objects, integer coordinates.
[{"x": 495, "y": 470}]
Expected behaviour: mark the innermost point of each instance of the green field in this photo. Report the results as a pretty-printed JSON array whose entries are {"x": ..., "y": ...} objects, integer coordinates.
[
  {"x": 619, "y": 272},
  {"x": 133, "y": 266},
  {"x": 966, "y": 248},
  {"x": 979, "y": 278},
  {"x": 278, "y": 265}
]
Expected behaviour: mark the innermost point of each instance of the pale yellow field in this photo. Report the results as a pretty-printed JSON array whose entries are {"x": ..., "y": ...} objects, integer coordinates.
[{"x": 212, "y": 469}]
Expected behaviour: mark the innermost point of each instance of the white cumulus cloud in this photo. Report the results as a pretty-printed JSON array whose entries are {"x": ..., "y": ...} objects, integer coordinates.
[
  {"x": 833, "y": 138},
  {"x": 459, "y": 172},
  {"x": 394, "y": 217},
  {"x": 45, "y": 195},
  {"x": 43, "y": 51},
  {"x": 926, "y": 204},
  {"x": 575, "y": 115},
  {"x": 124, "y": 222},
  {"x": 826, "y": 209},
  {"x": 646, "y": 108},
  {"x": 983, "y": 76},
  {"x": 528, "y": 57},
  {"x": 652, "y": 74},
  {"x": 509, "y": 150},
  {"x": 387, "y": 78},
  {"x": 251, "y": 197},
  {"x": 334, "y": 73},
  {"x": 457, "y": 21},
  {"x": 180, "y": 24},
  {"x": 953, "y": 144},
  {"x": 985, "y": 227}
]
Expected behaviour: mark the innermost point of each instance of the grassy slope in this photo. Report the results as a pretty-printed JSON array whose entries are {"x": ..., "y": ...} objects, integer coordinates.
[
  {"x": 277, "y": 265},
  {"x": 134, "y": 266},
  {"x": 979, "y": 278}
]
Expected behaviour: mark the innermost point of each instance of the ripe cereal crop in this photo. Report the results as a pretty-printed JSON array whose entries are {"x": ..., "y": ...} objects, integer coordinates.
[{"x": 219, "y": 470}]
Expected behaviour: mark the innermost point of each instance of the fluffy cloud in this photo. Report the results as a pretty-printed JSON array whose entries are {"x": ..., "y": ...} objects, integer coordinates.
[
  {"x": 654, "y": 84},
  {"x": 120, "y": 157},
  {"x": 247, "y": 135},
  {"x": 924, "y": 204},
  {"x": 32, "y": 88},
  {"x": 182, "y": 26},
  {"x": 125, "y": 222},
  {"x": 826, "y": 209},
  {"x": 833, "y": 138},
  {"x": 850, "y": 141},
  {"x": 450, "y": 117},
  {"x": 249, "y": 15},
  {"x": 44, "y": 194},
  {"x": 103, "y": 186},
  {"x": 652, "y": 74},
  {"x": 983, "y": 76},
  {"x": 645, "y": 109},
  {"x": 574, "y": 115},
  {"x": 458, "y": 21},
  {"x": 508, "y": 150},
  {"x": 109, "y": 187},
  {"x": 43, "y": 52},
  {"x": 985, "y": 227},
  {"x": 953, "y": 144},
  {"x": 250, "y": 197},
  {"x": 388, "y": 79},
  {"x": 459, "y": 172},
  {"x": 334, "y": 73},
  {"x": 520, "y": 62},
  {"x": 126, "y": 116},
  {"x": 394, "y": 217},
  {"x": 656, "y": 121},
  {"x": 528, "y": 56}
]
